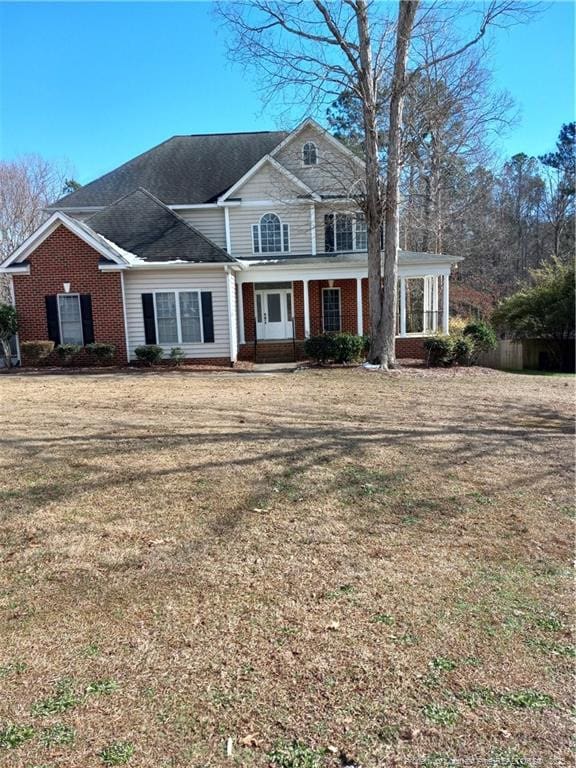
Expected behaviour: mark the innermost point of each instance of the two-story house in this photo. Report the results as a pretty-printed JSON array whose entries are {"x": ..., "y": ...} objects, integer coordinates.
[{"x": 230, "y": 246}]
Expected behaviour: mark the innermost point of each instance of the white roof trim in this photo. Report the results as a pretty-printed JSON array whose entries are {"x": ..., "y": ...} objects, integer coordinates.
[
  {"x": 103, "y": 247},
  {"x": 280, "y": 168},
  {"x": 309, "y": 122}
]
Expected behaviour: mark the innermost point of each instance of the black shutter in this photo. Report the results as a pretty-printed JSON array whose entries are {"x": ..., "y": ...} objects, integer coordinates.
[
  {"x": 149, "y": 321},
  {"x": 329, "y": 232},
  {"x": 52, "y": 319},
  {"x": 87, "y": 322},
  {"x": 207, "y": 317}
]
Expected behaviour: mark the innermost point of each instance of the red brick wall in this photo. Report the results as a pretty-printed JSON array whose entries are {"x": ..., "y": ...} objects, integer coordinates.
[
  {"x": 347, "y": 304},
  {"x": 298, "y": 299},
  {"x": 411, "y": 347},
  {"x": 64, "y": 257},
  {"x": 248, "y": 302}
]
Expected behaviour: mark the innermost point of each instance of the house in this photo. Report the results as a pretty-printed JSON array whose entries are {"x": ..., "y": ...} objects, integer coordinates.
[{"x": 230, "y": 246}]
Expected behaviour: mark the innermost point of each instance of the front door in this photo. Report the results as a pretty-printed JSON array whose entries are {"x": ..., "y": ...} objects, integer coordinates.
[{"x": 274, "y": 314}]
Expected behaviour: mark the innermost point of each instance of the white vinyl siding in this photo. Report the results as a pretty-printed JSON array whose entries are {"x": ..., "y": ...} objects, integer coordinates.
[
  {"x": 209, "y": 221},
  {"x": 179, "y": 280},
  {"x": 295, "y": 217}
]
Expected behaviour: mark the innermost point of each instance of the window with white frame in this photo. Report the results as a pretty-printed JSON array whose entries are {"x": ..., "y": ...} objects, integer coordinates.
[
  {"x": 331, "y": 315},
  {"x": 70, "y": 319},
  {"x": 309, "y": 153},
  {"x": 270, "y": 235},
  {"x": 346, "y": 232},
  {"x": 178, "y": 317}
]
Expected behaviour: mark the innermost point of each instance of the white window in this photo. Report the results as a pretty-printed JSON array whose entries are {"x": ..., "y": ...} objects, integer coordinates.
[
  {"x": 346, "y": 232},
  {"x": 178, "y": 317},
  {"x": 190, "y": 317},
  {"x": 166, "y": 318},
  {"x": 70, "y": 318},
  {"x": 309, "y": 153},
  {"x": 331, "y": 315},
  {"x": 270, "y": 235}
]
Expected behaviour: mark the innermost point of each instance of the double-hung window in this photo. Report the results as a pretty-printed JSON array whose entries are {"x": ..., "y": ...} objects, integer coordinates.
[
  {"x": 70, "y": 318},
  {"x": 178, "y": 317},
  {"x": 345, "y": 232},
  {"x": 331, "y": 310},
  {"x": 270, "y": 235}
]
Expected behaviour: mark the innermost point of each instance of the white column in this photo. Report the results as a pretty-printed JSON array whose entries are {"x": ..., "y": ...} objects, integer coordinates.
[
  {"x": 227, "y": 229},
  {"x": 359, "y": 308},
  {"x": 445, "y": 305},
  {"x": 240, "y": 313},
  {"x": 435, "y": 303},
  {"x": 402, "y": 306},
  {"x": 306, "y": 310}
]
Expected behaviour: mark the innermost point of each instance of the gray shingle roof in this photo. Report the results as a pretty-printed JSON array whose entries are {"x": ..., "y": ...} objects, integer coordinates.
[
  {"x": 144, "y": 226},
  {"x": 182, "y": 170}
]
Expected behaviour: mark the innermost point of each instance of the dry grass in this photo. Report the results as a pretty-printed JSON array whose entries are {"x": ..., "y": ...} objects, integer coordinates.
[{"x": 376, "y": 564}]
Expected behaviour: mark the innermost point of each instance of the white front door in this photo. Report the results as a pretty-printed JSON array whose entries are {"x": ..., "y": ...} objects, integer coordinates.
[{"x": 274, "y": 314}]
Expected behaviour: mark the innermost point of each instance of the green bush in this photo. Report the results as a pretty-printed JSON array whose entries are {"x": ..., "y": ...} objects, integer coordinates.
[
  {"x": 483, "y": 335},
  {"x": 320, "y": 348},
  {"x": 440, "y": 350},
  {"x": 34, "y": 351},
  {"x": 67, "y": 352},
  {"x": 8, "y": 327},
  {"x": 149, "y": 353},
  {"x": 101, "y": 352},
  {"x": 347, "y": 347},
  {"x": 177, "y": 355},
  {"x": 463, "y": 350}
]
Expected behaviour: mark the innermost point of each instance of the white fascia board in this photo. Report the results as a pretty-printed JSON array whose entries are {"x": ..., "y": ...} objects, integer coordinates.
[
  {"x": 45, "y": 230},
  {"x": 192, "y": 206},
  {"x": 309, "y": 122},
  {"x": 185, "y": 265},
  {"x": 16, "y": 269},
  {"x": 255, "y": 168},
  {"x": 113, "y": 267}
]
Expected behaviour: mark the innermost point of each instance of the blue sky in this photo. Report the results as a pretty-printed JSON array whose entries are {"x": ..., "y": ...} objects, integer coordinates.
[{"x": 97, "y": 83}]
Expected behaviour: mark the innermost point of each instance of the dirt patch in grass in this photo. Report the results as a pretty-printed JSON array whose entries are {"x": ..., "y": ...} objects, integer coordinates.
[{"x": 324, "y": 568}]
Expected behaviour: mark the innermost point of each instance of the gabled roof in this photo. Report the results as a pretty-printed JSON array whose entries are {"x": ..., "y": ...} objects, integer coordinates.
[
  {"x": 182, "y": 170},
  {"x": 267, "y": 159},
  {"x": 142, "y": 225}
]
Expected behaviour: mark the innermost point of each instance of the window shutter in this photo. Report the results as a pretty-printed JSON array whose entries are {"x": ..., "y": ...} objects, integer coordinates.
[
  {"x": 255, "y": 238},
  {"x": 149, "y": 321},
  {"x": 52, "y": 319},
  {"x": 285, "y": 237},
  {"x": 207, "y": 317},
  {"x": 329, "y": 232},
  {"x": 87, "y": 321}
]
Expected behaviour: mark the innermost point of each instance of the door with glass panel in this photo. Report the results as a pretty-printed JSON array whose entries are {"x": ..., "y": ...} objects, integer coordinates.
[{"x": 274, "y": 314}]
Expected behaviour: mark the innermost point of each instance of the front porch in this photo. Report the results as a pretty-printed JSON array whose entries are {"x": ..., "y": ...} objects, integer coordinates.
[{"x": 277, "y": 314}]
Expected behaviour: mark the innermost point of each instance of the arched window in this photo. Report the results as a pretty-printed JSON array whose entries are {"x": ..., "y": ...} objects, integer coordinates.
[
  {"x": 309, "y": 153},
  {"x": 270, "y": 235}
]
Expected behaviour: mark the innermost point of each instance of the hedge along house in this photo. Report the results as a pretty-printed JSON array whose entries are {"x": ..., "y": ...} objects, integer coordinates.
[{"x": 230, "y": 246}]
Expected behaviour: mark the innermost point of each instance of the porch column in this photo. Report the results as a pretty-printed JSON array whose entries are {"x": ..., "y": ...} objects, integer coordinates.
[
  {"x": 435, "y": 303},
  {"x": 445, "y": 305},
  {"x": 306, "y": 310},
  {"x": 240, "y": 286},
  {"x": 359, "y": 311},
  {"x": 402, "y": 306}
]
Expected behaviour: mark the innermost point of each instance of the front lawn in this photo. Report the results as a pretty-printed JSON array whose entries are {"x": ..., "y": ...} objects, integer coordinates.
[{"x": 324, "y": 568}]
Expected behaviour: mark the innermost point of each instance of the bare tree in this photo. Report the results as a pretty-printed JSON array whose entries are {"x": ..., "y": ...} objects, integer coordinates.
[
  {"x": 27, "y": 186},
  {"x": 311, "y": 52}
]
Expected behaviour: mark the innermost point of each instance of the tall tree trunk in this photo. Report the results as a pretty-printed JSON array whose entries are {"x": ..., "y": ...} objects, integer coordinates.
[
  {"x": 374, "y": 204},
  {"x": 382, "y": 349}
]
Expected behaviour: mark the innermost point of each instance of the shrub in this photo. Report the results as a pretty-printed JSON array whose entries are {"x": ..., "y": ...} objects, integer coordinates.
[
  {"x": 177, "y": 355},
  {"x": 34, "y": 351},
  {"x": 347, "y": 347},
  {"x": 483, "y": 335},
  {"x": 67, "y": 352},
  {"x": 440, "y": 350},
  {"x": 149, "y": 353},
  {"x": 457, "y": 325},
  {"x": 463, "y": 350},
  {"x": 101, "y": 352},
  {"x": 320, "y": 348}
]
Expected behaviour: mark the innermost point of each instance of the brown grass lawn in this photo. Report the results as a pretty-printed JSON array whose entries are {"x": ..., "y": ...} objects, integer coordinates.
[{"x": 326, "y": 568}]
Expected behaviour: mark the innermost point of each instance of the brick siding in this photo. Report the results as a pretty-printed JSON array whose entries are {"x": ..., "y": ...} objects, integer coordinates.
[{"x": 65, "y": 258}]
